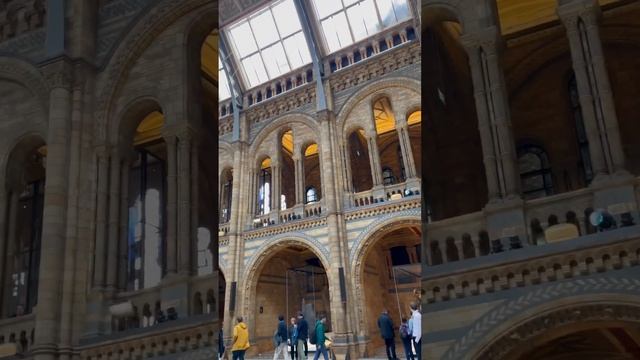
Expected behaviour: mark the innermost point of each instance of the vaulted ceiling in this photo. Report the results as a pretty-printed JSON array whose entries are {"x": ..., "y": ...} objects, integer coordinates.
[{"x": 517, "y": 15}]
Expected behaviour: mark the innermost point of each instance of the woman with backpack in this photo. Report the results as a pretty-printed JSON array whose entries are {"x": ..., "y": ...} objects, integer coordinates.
[{"x": 405, "y": 336}]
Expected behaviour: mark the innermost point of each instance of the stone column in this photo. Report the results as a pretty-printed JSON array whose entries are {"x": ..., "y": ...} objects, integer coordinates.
[
  {"x": 99, "y": 267},
  {"x": 374, "y": 159},
  {"x": 580, "y": 19},
  {"x": 114, "y": 222},
  {"x": 276, "y": 186},
  {"x": 335, "y": 227},
  {"x": 405, "y": 146},
  {"x": 184, "y": 198},
  {"x": 492, "y": 107},
  {"x": 298, "y": 162},
  {"x": 123, "y": 248},
  {"x": 195, "y": 210},
  {"x": 172, "y": 205},
  {"x": 59, "y": 75}
]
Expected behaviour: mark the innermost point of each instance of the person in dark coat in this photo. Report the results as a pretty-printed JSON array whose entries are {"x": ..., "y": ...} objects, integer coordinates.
[
  {"x": 280, "y": 340},
  {"x": 385, "y": 324},
  {"x": 303, "y": 334}
]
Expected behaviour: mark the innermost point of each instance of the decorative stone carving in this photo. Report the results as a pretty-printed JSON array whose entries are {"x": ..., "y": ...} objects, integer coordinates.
[{"x": 20, "y": 16}]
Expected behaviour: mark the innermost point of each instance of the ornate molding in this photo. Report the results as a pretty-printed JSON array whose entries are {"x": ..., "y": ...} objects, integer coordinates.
[
  {"x": 59, "y": 74},
  {"x": 482, "y": 328},
  {"x": 524, "y": 333}
]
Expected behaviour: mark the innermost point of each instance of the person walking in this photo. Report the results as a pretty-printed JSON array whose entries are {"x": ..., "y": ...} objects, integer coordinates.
[
  {"x": 293, "y": 338},
  {"x": 280, "y": 339},
  {"x": 240, "y": 340},
  {"x": 220, "y": 344},
  {"x": 385, "y": 324},
  {"x": 405, "y": 336},
  {"x": 303, "y": 336},
  {"x": 415, "y": 327},
  {"x": 320, "y": 338}
]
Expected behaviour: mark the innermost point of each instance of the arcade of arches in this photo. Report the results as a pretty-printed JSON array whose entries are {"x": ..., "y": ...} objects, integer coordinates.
[{"x": 530, "y": 115}]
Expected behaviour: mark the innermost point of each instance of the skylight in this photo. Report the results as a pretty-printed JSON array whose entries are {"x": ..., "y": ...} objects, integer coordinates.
[
  {"x": 345, "y": 22},
  {"x": 269, "y": 43},
  {"x": 223, "y": 85}
]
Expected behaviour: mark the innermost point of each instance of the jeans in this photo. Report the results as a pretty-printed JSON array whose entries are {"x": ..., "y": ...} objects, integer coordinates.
[
  {"x": 321, "y": 349},
  {"x": 293, "y": 350},
  {"x": 418, "y": 346},
  {"x": 390, "y": 346},
  {"x": 406, "y": 342},
  {"x": 238, "y": 354},
  {"x": 282, "y": 348}
]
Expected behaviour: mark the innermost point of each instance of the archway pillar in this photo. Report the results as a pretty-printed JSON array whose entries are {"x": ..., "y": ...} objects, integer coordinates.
[
  {"x": 114, "y": 220},
  {"x": 338, "y": 272},
  {"x": 242, "y": 204},
  {"x": 48, "y": 318},
  {"x": 492, "y": 105},
  {"x": 580, "y": 18}
]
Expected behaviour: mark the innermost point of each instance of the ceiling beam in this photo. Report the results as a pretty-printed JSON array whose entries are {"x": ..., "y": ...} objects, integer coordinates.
[
  {"x": 314, "y": 50},
  {"x": 234, "y": 85}
]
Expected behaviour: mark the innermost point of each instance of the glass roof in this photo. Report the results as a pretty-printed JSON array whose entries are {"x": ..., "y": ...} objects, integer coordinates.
[
  {"x": 344, "y": 22},
  {"x": 269, "y": 43},
  {"x": 223, "y": 85}
]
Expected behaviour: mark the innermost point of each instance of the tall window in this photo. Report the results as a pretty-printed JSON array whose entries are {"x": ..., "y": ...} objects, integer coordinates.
[
  {"x": 264, "y": 188},
  {"x": 312, "y": 195},
  {"x": 226, "y": 198},
  {"x": 387, "y": 176},
  {"x": 345, "y": 22},
  {"x": 146, "y": 257},
  {"x": 146, "y": 233},
  {"x": 24, "y": 277},
  {"x": 535, "y": 173},
  {"x": 270, "y": 43},
  {"x": 583, "y": 141}
]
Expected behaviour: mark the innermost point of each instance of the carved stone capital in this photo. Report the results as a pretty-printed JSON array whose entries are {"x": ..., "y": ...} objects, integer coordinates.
[{"x": 59, "y": 74}]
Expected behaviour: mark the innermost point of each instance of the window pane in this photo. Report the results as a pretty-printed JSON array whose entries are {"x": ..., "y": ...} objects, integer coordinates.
[
  {"x": 254, "y": 69},
  {"x": 264, "y": 29},
  {"x": 386, "y": 12},
  {"x": 275, "y": 60},
  {"x": 327, "y": 7},
  {"x": 223, "y": 85},
  {"x": 363, "y": 19},
  {"x": 297, "y": 50},
  {"x": 243, "y": 39},
  {"x": 286, "y": 17},
  {"x": 402, "y": 9},
  {"x": 336, "y": 31}
]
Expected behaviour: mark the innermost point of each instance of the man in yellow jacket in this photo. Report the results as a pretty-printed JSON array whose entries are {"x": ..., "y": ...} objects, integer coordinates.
[{"x": 240, "y": 340}]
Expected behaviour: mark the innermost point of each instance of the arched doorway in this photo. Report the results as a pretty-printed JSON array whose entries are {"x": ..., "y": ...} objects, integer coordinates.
[
  {"x": 388, "y": 270},
  {"x": 290, "y": 279}
]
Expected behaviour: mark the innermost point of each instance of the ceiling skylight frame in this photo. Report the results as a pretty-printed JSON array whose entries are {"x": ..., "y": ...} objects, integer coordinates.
[
  {"x": 224, "y": 88},
  {"x": 347, "y": 5},
  {"x": 264, "y": 67}
]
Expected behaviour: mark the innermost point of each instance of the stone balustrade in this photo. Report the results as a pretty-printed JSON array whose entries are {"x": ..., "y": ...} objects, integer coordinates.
[
  {"x": 397, "y": 35},
  {"x": 19, "y": 331},
  {"x": 180, "y": 338}
]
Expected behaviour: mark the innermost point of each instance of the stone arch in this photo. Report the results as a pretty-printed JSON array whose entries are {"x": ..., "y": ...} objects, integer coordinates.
[
  {"x": 374, "y": 88},
  {"x": 139, "y": 37},
  {"x": 365, "y": 242},
  {"x": 226, "y": 162},
  {"x": 15, "y": 149},
  {"x": 254, "y": 265},
  {"x": 123, "y": 129},
  {"x": 283, "y": 121},
  {"x": 513, "y": 316},
  {"x": 24, "y": 73},
  {"x": 435, "y": 11}
]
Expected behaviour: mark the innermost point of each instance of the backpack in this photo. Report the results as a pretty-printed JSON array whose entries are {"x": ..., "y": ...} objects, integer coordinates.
[{"x": 404, "y": 331}]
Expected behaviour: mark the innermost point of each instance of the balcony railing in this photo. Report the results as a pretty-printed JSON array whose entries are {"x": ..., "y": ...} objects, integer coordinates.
[{"x": 19, "y": 331}]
